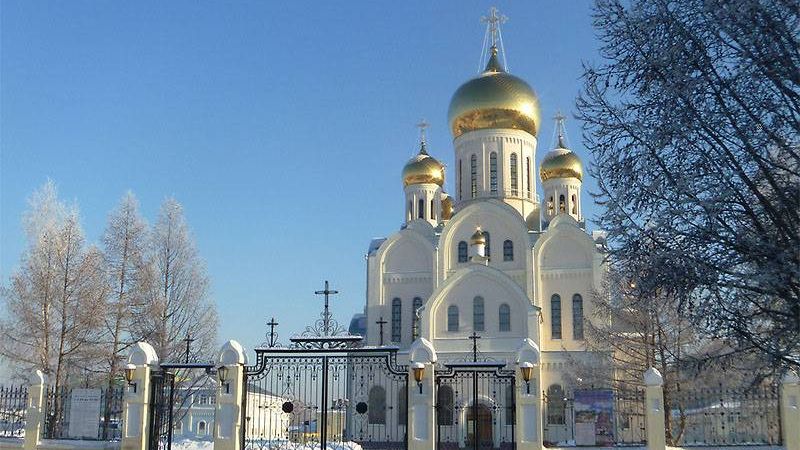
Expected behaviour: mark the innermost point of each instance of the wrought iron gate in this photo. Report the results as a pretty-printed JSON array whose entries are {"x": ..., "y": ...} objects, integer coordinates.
[
  {"x": 319, "y": 394},
  {"x": 475, "y": 406},
  {"x": 162, "y": 399}
]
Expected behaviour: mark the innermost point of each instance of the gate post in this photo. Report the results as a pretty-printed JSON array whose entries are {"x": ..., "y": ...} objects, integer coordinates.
[
  {"x": 228, "y": 419},
  {"x": 790, "y": 411},
  {"x": 654, "y": 409},
  {"x": 136, "y": 411},
  {"x": 528, "y": 429},
  {"x": 35, "y": 415},
  {"x": 421, "y": 396}
]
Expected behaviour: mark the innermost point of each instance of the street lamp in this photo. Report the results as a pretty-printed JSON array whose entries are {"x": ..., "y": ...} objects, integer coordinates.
[
  {"x": 526, "y": 370},
  {"x": 222, "y": 374},
  {"x": 130, "y": 370},
  {"x": 419, "y": 372}
]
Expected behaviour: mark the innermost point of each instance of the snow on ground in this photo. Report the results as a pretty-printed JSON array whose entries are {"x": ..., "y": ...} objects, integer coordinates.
[{"x": 186, "y": 444}]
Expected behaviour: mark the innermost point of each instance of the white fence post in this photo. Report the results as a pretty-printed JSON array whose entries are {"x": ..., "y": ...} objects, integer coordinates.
[
  {"x": 35, "y": 414},
  {"x": 143, "y": 360},
  {"x": 230, "y": 393},
  {"x": 422, "y": 396},
  {"x": 528, "y": 432},
  {"x": 654, "y": 409},
  {"x": 790, "y": 411}
]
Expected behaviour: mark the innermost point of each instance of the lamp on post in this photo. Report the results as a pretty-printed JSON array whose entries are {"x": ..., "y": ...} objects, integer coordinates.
[
  {"x": 222, "y": 374},
  {"x": 526, "y": 369},
  {"x": 419, "y": 373},
  {"x": 130, "y": 370}
]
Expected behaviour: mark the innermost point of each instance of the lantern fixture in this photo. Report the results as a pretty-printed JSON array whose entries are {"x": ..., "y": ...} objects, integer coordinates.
[
  {"x": 222, "y": 374},
  {"x": 130, "y": 370},
  {"x": 526, "y": 370},
  {"x": 419, "y": 373}
]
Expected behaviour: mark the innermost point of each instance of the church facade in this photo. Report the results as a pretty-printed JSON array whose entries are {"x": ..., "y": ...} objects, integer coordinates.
[{"x": 504, "y": 256}]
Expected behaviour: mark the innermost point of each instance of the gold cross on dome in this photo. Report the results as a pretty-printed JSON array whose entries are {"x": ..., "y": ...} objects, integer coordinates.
[
  {"x": 422, "y": 125},
  {"x": 494, "y": 20}
]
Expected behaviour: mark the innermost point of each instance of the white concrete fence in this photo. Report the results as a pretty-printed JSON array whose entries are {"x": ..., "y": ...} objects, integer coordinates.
[{"x": 422, "y": 426}]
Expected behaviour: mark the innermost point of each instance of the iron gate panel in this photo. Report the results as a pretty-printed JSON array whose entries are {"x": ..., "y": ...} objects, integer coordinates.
[
  {"x": 162, "y": 399},
  {"x": 475, "y": 406},
  {"x": 326, "y": 395}
]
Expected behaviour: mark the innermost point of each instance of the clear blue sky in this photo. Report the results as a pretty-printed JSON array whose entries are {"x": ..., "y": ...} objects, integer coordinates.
[{"x": 282, "y": 127}]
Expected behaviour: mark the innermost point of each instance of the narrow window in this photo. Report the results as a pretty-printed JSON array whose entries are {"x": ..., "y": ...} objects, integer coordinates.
[
  {"x": 555, "y": 316},
  {"x": 556, "y": 405},
  {"x": 444, "y": 405},
  {"x": 421, "y": 208},
  {"x": 433, "y": 211},
  {"x": 460, "y": 179},
  {"x": 505, "y": 317},
  {"x": 397, "y": 310},
  {"x": 493, "y": 172},
  {"x": 550, "y": 206},
  {"x": 508, "y": 250},
  {"x": 410, "y": 210},
  {"x": 462, "y": 252},
  {"x": 514, "y": 181},
  {"x": 377, "y": 405},
  {"x": 577, "y": 317},
  {"x": 478, "y": 321},
  {"x": 452, "y": 318},
  {"x": 415, "y": 318},
  {"x": 574, "y": 205},
  {"x": 528, "y": 176},
  {"x": 561, "y": 206},
  {"x": 201, "y": 428},
  {"x": 473, "y": 169},
  {"x": 488, "y": 246},
  {"x": 402, "y": 403}
]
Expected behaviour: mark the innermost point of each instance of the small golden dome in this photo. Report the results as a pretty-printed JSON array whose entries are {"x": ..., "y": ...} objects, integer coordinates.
[
  {"x": 478, "y": 237},
  {"x": 561, "y": 163},
  {"x": 494, "y": 99},
  {"x": 447, "y": 208},
  {"x": 423, "y": 168}
]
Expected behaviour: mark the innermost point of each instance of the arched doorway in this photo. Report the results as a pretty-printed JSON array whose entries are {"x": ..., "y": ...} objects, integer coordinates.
[{"x": 479, "y": 420}]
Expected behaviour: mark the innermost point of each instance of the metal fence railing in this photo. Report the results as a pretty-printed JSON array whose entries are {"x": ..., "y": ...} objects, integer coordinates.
[
  {"x": 13, "y": 404},
  {"x": 88, "y": 414}
]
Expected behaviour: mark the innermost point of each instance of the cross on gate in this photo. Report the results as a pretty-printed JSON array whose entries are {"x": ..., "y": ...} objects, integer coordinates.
[
  {"x": 272, "y": 335},
  {"x": 188, "y": 341},
  {"x": 474, "y": 337},
  {"x": 326, "y": 315},
  {"x": 381, "y": 323}
]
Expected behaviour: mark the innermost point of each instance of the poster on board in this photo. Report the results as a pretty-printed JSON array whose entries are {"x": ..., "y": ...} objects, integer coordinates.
[
  {"x": 593, "y": 417},
  {"x": 84, "y": 413}
]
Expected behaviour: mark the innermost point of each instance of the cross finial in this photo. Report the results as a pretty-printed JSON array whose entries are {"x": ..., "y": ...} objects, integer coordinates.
[
  {"x": 272, "y": 334},
  {"x": 560, "y": 130},
  {"x": 188, "y": 339},
  {"x": 381, "y": 323},
  {"x": 326, "y": 315},
  {"x": 474, "y": 337},
  {"x": 493, "y": 21},
  {"x": 422, "y": 125}
]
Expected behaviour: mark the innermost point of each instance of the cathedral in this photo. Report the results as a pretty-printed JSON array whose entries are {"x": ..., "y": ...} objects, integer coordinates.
[{"x": 505, "y": 255}]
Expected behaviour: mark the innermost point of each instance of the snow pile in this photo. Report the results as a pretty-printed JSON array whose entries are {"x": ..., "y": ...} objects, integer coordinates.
[
  {"x": 286, "y": 445},
  {"x": 188, "y": 444}
]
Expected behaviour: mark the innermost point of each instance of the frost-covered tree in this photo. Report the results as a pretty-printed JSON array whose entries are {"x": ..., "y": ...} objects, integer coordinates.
[{"x": 693, "y": 118}]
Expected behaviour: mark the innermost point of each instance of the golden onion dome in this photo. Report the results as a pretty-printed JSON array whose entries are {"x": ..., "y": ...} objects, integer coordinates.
[
  {"x": 561, "y": 163},
  {"x": 494, "y": 99},
  {"x": 478, "y": 237},
  {"x": 423, "y": 168},
  {"x": 447, "y": 208}
]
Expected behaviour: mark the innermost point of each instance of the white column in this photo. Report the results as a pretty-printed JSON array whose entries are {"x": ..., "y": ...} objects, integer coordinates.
[
  {"x": 230, "y": 393},
  {"x": 790, "y": 411},
  {"x": 34, "y": 416},
  {"x": 422, "y": 397},
  {"x": 137, "y": 398},
  {"x": 528, "y": 431},
  {"x": 654, "y": 409}
]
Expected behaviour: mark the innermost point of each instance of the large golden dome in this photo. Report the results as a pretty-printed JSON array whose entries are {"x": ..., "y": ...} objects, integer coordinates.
[
  {"x": 561, "y": 163},
  {"x": 495, "y": 99},
  {"x": 423, "y": 168},
  {"x": 447, "y": 208}
]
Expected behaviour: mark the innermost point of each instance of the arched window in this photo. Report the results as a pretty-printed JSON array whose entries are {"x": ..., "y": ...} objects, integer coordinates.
[
  {"x": 528, "y": 176},
  {"x": 478, "y": 319},
  {"x": 177, "y": 428},
  {"x": 574, "y": 205},
  {"x": 414, "y": 318},
  {"x": 201, "y": 428},
  {"x": 505, "y": 317},
  {"x": 561, "y": 206},
  {"x": 556, "y": 405},
  {"x": 402, "y": 406},
  {"x": 433, "y": 211},
  {"x": 377, "y": 405},
  {"x": 460, "y": 180},
  {"x": 410, "y": 210},
  {"x": 421, "y": 208},
  {"x": 514, "y": 181},
  {"x": 493, "y": 172},
  {"x": 550, "y": 206},
  {"x": 473, "y": 175},
  {"x": 397, "y": 311},
  {"x": 444, "y": 405},
  {"x": 555, "y": 316},
  {"x": 452, "y": 318},
  {"x": 508, "y": 250},
  {"x": 462, "y": 252},
  {"x": 577, "y": 317},
  {"x": 510, "y": 406},
  {"x": 488, "y": 246}
]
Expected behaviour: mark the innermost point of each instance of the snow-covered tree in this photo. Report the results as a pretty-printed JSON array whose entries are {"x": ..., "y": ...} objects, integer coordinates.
[{"x": 693, "y": 120}]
